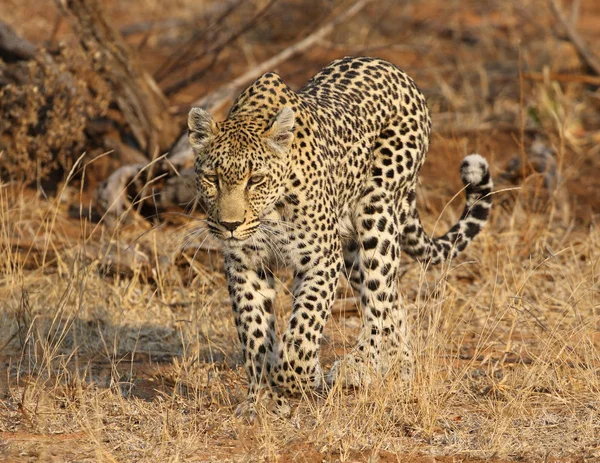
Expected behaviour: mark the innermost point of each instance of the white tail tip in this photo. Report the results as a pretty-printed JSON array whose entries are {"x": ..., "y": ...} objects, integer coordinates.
[{"x": 473, "y": 168}]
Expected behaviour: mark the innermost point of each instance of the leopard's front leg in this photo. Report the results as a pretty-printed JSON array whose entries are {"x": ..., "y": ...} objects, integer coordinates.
[
  {"x": 252, "y": 298},
  {"x": 317, "y": 272}
]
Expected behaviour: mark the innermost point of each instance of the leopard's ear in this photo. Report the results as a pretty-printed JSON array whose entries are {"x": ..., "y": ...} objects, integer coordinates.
[
  {"x": 280, "y": 132},
  {"x": 202, "y": 128}
]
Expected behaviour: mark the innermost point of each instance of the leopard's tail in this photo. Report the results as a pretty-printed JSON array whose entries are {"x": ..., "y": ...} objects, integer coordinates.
[{"x": 475, "y": 174}]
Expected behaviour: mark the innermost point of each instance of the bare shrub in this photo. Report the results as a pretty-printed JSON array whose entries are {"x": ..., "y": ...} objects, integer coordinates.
[{"x": 46, "y": 105}]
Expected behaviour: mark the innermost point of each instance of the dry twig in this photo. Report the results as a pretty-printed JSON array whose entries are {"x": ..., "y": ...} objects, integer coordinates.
[
  {"x": 215, "y": 50},
  {"x": 188, "y": 52},
  {"x": 590, "y": 59}
]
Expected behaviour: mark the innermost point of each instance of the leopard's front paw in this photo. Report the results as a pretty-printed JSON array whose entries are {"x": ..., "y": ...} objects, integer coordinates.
[
  {"x": 268, "y": 400},
  {"x": 294, "y": 382},
  {"x": 351, "y": 371}
]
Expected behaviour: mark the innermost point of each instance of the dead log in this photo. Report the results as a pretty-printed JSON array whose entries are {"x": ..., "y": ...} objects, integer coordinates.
[
  {"x": 138, "y": 97},
  {"x": 126, "y": 189},
  {"x": 14, "y": 47},
  {"x": 125, "y": 196},
  {"x": 79, "y": 98},
  {"x": 111, "y": 256}
]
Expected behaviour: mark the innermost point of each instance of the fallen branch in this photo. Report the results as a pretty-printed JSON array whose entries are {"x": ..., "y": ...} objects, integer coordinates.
[
  {"x": 111, "y": 256},
  {"x": 590, "y": 59},
  {"x": 569, "y": 78}
]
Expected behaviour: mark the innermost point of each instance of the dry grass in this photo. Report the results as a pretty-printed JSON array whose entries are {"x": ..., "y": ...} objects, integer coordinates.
[
  {"x": 113, "y": 368},
  {"x": 139, "y": 362}
]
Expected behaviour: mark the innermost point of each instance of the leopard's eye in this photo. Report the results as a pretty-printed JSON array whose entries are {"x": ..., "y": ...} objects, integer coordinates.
[
  {"x": 256, "y": 179},
  {"x": 212, "y": 178}
]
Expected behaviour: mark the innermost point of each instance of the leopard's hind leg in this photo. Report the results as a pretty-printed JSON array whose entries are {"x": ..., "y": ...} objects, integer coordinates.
[{"x": 383, "y": 340}]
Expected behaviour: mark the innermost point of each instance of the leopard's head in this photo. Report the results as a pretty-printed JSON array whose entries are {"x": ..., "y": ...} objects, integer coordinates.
[{"x": 240, "y": 166}]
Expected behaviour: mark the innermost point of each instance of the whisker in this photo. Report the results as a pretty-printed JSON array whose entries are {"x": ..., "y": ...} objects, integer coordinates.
[
  {"x": 273, "y": 249},
  {"x": 289, "y": 225},
  {"x": 272, "y": 245},
  {"x": 264, "y": 240},
  {"x": 188, "y": 240},
  {"x": 195, "y": 254},
  {"x": 192, "y": 235},
  {"x": 275, "y": 231}
]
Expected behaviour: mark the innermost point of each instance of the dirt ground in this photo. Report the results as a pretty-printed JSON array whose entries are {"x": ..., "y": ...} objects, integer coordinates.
[{"x": 117, "y": 343}]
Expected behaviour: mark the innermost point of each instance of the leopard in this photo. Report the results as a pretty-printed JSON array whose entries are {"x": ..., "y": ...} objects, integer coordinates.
[{"x": 323, "y": 180}]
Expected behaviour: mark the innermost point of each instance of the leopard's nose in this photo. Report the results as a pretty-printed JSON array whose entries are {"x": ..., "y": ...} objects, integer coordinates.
[{"x": 231, "y": 226}]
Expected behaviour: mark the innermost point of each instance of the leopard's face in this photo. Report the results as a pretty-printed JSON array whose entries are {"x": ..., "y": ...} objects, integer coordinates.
[{"x": 240, "y": 169}]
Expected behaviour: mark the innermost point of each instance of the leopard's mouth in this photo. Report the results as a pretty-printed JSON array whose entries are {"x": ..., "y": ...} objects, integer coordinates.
[{"x": 235, "y": 237}]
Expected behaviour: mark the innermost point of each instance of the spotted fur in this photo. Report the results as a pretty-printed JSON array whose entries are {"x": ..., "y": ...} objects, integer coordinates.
[{"x": 324, "y": 179}]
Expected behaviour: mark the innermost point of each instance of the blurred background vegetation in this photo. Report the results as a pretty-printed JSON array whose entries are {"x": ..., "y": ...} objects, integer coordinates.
[{"x": 113, "y": 80}]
